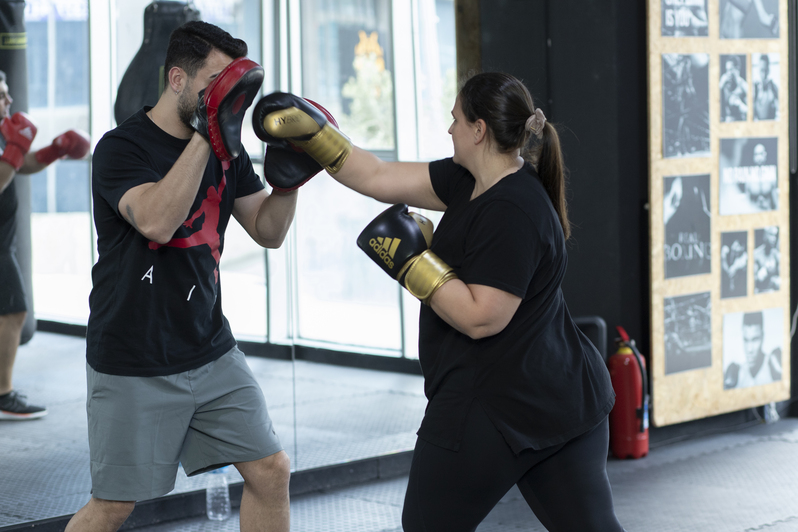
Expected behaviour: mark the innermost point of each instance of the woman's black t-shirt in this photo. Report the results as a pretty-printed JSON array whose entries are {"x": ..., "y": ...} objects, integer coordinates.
[
  {"x": 157, "y": 309},
  {"x": 540, "y": 380}
]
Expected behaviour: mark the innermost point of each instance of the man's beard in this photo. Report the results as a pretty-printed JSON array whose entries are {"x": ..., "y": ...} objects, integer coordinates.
[{"x": 186, "y": 105}]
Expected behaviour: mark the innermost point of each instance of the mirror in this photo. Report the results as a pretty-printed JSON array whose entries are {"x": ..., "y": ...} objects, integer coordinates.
[{"x": 333, "y": 345}]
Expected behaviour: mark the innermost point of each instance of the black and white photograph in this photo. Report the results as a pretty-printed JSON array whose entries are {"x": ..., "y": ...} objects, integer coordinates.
[
  {"x": 687, "y": 216},
  {"x": 733, "y": 88},
  {"x": 752, "y": 347},
  {"x": 685, "y": 105},
  {"x": 684, "y": 18},
  {"x": 733, "y": 264},
  {"x": 688, "y": 332},
  {"x": 765, "y": 73},
  {"x": 767, "y": 260},
  {"x": 749, "y": 19},
  {"x": 748, "y": 181}
]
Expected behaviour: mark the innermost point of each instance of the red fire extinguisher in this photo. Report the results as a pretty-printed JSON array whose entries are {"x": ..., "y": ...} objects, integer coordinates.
[{"x": 629, "y": 416}]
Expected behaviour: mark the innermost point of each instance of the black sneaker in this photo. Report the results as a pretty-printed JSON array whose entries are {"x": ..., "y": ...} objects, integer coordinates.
[{"x": 14, "y": 406}]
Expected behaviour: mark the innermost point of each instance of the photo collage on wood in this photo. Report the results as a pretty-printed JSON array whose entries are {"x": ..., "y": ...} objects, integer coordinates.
[{"x": 718, "y": 204}]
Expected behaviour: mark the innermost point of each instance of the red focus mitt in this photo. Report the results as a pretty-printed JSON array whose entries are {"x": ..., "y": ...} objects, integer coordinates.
[
  {"x": 285, "y": 166},
  {"x": 18, "y": 132},
  {"x": 222, "y": 104},
  {"x": 72, "y": 144}
]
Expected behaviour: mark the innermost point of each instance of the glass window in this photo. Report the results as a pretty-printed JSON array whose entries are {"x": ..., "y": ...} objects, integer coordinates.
[
  {"x": 342, "y": 297},
  {"x": 347, "y": 66},
  {"x": 61, "y": 236},
  {"x": 37, "y": 61},
  {"x": 437, "y": 77},
  {"x": 72, "y": 187},
  {"x": 72, "y": 67}
]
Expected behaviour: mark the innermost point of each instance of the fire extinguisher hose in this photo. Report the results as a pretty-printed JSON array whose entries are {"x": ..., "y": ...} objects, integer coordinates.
[{"x": 643, "y": 412}]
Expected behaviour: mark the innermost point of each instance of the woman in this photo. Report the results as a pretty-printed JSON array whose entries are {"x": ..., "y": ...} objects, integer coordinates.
[{"x": 517, "y": 394}]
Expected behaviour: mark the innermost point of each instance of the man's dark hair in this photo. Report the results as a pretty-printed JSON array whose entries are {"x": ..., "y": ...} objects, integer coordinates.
[
  {"x": 2, "y": 76},
  {"x": 752, "y": 318},
  {"x": 191, "y": 43}
]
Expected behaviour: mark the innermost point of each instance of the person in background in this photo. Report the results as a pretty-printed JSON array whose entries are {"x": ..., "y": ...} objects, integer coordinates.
[{"x": 17, "y": 132}]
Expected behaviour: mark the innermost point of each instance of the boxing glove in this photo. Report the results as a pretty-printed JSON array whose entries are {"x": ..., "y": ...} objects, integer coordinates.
[
  {"x": 286, "y": 169},
  {"x": 18, "y": 132},
  {"x": 221, "y": 106},
  {"x": 399, "y": 242},
  {"x": 285, "y": 166},
  {"x": 283, "y": 119},
  {"x": 72, "y": 144}
]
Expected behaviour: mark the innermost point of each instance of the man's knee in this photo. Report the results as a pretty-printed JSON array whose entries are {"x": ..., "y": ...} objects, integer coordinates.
[
  {"x": 111, "y": 512},
  {"x": 272, "y": 472}
]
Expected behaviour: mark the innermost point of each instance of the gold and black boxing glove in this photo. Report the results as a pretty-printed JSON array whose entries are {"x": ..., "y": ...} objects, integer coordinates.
[
  {"x": 398, "y": 241},
  {"x": 288, "y": 121}
]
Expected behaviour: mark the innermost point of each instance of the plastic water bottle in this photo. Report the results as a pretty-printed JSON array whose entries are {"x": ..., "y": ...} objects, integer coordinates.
[{"x": 217, "y": 496}]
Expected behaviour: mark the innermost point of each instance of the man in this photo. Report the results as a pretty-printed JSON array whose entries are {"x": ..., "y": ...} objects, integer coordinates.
[
  {"x": 766, "y": 93},
  {"x": 759, "y": 368},
  {"x": 762, "y": 188},
  {"x": 734, "y": 92},
  {"x": 733, "y": 265},
  {"x": 16, "y": 135},
  {"x": 166, "y": 383},
  {"x": 767, "y": 260},
  {"x": 733, "y": 14}
]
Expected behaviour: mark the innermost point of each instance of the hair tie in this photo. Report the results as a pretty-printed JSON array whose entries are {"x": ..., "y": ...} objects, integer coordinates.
[{"x": 535, "y": 122}]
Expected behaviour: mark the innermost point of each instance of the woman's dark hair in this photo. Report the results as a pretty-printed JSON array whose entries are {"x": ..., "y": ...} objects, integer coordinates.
[
  {"x": 191, "y": 43},
  {"x": 505, "y": 104}
]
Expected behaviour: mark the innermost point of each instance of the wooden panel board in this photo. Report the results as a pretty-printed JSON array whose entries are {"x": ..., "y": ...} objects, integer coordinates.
[{"x": 719, "y": 175}]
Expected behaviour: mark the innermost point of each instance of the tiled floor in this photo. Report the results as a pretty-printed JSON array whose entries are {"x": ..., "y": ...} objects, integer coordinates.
[{"x": 740, "y": 480}]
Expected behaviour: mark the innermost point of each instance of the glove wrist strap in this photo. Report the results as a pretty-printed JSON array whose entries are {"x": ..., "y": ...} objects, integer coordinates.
[
  {"x": 329, "y": 147},
  {"x": 425, "y": 274},
  {"x": 48, "y": 154},
  {"x": 13, "y": 156}
]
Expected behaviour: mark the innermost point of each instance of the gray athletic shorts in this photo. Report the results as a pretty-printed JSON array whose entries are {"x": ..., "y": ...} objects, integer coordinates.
[{"x": 141, "y": 428}]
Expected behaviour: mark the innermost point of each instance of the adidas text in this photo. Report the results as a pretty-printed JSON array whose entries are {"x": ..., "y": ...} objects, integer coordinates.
[{"x": 386, "y": 254}]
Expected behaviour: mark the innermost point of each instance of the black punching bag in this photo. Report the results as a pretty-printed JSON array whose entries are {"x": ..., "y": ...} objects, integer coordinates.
[
  {"x": 13, "y": 61},
  {"x": 142, "y": 83}
]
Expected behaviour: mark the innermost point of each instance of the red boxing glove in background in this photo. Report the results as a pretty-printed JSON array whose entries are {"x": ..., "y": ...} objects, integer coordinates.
[
  {"x": 18, "y": 132},
  {"x": 72, "y": 144}
]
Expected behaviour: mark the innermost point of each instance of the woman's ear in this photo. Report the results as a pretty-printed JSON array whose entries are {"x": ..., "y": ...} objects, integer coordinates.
[{"x": 480, "y": 131}]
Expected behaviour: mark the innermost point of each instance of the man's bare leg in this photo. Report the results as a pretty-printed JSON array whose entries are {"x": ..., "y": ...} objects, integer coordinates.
[
  {"x": 10, "y": 333},
  {"x": 265, "y": 503},
  {"x": 100, "y": 515}
]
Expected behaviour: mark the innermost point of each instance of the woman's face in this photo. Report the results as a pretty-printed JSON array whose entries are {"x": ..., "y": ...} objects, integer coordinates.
[{"x": 461, "y": 131}]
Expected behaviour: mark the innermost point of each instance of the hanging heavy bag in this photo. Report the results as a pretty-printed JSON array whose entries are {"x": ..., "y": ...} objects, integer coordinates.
[{"x": 142, "y": 83}]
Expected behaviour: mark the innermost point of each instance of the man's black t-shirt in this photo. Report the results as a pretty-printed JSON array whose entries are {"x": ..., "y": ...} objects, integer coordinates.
[
  {"x": 157, "y": 309},
  {"x": 540, "y": 380}
]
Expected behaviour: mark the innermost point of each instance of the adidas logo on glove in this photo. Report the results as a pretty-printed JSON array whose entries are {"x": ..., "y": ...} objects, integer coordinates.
[{"x": 385, "y": 248}]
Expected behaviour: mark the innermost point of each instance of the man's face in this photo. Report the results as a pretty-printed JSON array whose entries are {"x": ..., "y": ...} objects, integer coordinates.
[
  {"x": 764, "y": 68},
  {"x": 730, "y": 66},
  {"x": 5, "y": 100},
  {"x": 772, "y": 236},
  {"x": 752, "y": 342},
  {"x": 187, "y": 101},
  {"x": 760, "y": 154}
]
